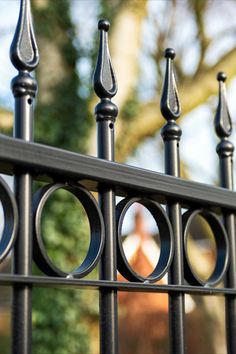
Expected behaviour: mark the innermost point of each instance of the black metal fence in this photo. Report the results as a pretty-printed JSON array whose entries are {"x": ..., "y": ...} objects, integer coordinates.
[{"x": 80, "y": 175}]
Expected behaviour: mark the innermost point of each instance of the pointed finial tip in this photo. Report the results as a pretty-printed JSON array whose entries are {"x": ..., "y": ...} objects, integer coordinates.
[
  {"x": 104, "y": 80},
  {"x": 24, "y": 51},
  {"x": 170, "y": 105},
  {"x": 104, "y": 25},
  {"x": 170, "y": 53},
  {"x": 221, "y": 76},
  {"x": 223, "y": 122}
]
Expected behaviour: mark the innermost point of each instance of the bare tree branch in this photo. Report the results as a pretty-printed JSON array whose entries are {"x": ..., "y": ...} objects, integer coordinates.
[
  {"x": 192, "y": 94},
  {"x": 199, "y": 8}
]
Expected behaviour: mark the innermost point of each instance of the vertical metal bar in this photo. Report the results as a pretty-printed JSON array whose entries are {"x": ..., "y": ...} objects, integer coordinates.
[
  {"x": 108, "y": 298},
  {"x": 24, "y": 56},
  {"x": 171, "y": 134},
  {"x": 225, "y": 149},
  {"x": 105, "y": 87},
  {"x": 23, "y": 248}
]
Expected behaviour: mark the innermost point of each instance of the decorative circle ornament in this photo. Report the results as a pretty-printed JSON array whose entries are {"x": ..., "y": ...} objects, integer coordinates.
[
  {"x": 166, "y": 240},
  {"x": 222, "y": 248},
  {"x": 97, "y": 235},
  {"x": 10, "y": 214}
]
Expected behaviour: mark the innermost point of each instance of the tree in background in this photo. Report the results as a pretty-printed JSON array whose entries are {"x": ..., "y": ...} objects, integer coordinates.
[
  {"x": 62, "y": 121},
  {"x": 65, "y": 105}
]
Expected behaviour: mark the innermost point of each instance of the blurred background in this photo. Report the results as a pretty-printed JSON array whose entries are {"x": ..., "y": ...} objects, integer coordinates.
[{"x": 203, "y": 34}]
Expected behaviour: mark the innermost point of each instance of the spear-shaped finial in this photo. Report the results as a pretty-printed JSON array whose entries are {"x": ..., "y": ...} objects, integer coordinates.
[
  {"x": 24, "y": 52},
  {"x": 223, "y": 123},
  {"x": 104, "y": 80},
  {"x": 170, "y": 106}
]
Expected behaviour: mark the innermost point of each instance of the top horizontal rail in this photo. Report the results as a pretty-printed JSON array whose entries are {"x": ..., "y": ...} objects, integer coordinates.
[{"x": 48, "y": 163}]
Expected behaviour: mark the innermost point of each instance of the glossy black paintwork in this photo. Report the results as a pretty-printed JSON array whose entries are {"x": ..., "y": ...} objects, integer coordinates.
[{"x": 81, "y": 174}]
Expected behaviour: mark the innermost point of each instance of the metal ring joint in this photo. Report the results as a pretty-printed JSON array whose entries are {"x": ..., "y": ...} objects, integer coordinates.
[
  {"x": 96, "y": 229},
  {"x": 166, "y": 238},
  {"x": 10, "y": 214},
  {"x": 222, "y": 248}
]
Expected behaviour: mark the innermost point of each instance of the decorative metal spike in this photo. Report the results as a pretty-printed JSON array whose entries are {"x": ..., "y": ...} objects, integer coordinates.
[
  {"x": 104, "y": 80},
  {"x": 170, "y": 106},
  {"x": 24, "y": 52},
  {"x": 223, "y": 122}
]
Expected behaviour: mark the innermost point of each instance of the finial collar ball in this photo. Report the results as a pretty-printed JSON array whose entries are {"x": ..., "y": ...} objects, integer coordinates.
[
  {"x": 170, "y": 53},
  {"x": 104, "y": 25},
  {"x": 221, "y": 76}
]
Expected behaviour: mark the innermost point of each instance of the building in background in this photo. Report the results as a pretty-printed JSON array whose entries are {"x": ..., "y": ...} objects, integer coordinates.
[{"x": 143, "y": 317}]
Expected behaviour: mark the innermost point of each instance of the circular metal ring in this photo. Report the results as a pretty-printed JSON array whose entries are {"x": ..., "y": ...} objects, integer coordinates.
[
  {"x": 10, "y": 214},
  {"x": 96, "y": 229},
  {"x": 166, "y": 238},
  {"x": 222, "y": 248}
]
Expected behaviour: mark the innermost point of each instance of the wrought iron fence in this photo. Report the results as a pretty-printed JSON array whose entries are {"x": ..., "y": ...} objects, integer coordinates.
[{"x": 80, "y": 174}]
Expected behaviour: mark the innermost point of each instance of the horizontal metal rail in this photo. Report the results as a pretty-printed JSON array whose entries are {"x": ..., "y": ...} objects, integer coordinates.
[
  {"x": 46, "y": 163},
  {"x": 52, "y": 282}
]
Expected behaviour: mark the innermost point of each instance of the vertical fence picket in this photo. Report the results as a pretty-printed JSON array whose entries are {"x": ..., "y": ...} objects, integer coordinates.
[
  {"x": 225, "y": 149},
  {"x": 106, "y": 112},
  {"x": 24, "y": 56},
  {"x": 171, "y": 133}
]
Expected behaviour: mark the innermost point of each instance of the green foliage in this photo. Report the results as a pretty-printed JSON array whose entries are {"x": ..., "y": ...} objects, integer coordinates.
[
  {"x": 55, "y": 15},
  {"x": 61, "y": 309},
  {"x": 130, "y": 108},
  {"x": 60, "y": 323},
  {"x": 108, "y": 8},
  {"x": 5, "y": 343},
  {"x": 63, "y": 120},
  {"x": 59, "y": 316},
  {"x": 65, "y": 229}
]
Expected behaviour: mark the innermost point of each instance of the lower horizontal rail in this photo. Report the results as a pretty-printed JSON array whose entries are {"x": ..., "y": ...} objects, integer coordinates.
[{"x": 56, "y": 282}]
